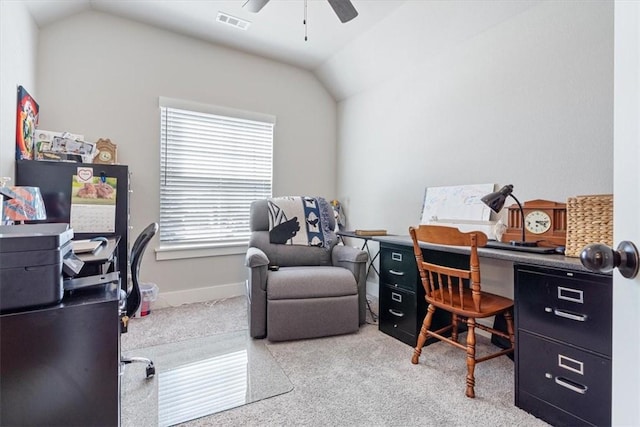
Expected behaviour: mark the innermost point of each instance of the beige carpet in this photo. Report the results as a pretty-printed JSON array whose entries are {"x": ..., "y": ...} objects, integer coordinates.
[{"x": 363, "y": 379}]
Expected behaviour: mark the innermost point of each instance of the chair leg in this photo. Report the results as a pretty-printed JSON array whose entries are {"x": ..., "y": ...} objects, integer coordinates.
[
  {"x": 508, "y": 317},
  {"x": 454, "y": 329},
  {"x": 471, "y": 356},
  {"x": 150, "y": 370},
  {"x": 422, "y": 338}
]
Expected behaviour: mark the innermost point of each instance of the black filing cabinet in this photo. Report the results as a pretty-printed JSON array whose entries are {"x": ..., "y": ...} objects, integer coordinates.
[
  {"x": 401, "y": 295},
  {"x": 563, "y": 354}
]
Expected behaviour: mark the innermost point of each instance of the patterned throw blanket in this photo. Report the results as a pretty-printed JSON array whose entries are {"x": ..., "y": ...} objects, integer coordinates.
[{"x": 299, "y": 221}]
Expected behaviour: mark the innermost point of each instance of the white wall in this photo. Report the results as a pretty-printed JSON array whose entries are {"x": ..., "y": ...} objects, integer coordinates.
[
  {"x": 18, "y": 46},
  {"x": 408, "y": 35},
  {"x": 528, "y": 101},
  {"x": 101, "y": 76}
]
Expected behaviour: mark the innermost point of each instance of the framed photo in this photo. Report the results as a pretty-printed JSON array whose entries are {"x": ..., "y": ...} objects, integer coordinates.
[{"x": 45, "y": 141}]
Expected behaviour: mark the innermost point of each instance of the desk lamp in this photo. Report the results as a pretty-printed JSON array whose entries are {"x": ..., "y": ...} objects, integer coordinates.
[
  {"x": 5, "y": 193},
  {"x": 26, "y": 204},
  {"x": 495, "y": 201}
]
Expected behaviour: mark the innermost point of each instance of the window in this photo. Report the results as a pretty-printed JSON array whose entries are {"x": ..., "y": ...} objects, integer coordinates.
[{"x": 214, "y": 162}]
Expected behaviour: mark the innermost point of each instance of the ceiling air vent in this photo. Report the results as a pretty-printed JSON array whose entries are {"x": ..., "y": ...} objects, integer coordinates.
[{"x": 233, "y": 21}]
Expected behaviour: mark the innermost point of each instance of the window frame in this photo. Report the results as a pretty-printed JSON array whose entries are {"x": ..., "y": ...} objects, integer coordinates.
[{"x": 168, "y": 250}]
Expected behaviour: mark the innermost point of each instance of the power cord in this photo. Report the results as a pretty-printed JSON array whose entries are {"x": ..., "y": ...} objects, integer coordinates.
[{"x": 374, "y": 316}]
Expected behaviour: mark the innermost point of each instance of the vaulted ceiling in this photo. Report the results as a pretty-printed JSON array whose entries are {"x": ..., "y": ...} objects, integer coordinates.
[
  {"x": 277, "y": 31},
  {"x": 387, "y": 36}
]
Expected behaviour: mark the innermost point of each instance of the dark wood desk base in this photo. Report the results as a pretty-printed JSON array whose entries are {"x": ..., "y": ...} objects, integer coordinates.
[{"x": 59, "y": 365}]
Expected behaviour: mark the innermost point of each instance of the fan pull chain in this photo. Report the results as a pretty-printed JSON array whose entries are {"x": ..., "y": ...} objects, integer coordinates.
[{"x": 304, "y": 21}]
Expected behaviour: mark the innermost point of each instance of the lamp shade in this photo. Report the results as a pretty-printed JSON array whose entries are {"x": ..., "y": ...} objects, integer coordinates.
[
  {"x": 495, "y": 201},
  {"x": 26, "y": 205}
]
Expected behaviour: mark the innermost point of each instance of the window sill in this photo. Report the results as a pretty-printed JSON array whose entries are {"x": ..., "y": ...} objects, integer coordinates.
[{"x": 197, "y": 251}]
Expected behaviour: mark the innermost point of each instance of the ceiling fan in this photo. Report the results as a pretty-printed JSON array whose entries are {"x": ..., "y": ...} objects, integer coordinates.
[{"x": 343, "y": 8}]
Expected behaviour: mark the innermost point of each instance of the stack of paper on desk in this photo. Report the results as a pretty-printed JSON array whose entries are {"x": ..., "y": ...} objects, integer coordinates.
[
  {"x": 84, "y": 246},
  {"x": 371, "y": 232}
]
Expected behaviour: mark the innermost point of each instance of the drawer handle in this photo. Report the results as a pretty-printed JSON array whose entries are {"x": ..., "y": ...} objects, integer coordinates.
[
  {"x": 396, "y": 312},
  {"x": 396, "y": 273},
  {"x": 396, "y": 297},
  {"x": 578, "y": 388},
  {"x": 571, "y": 316}
]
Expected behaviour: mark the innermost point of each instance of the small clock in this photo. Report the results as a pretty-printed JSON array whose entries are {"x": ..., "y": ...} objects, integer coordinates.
[
  {"x": 105, "y": 156},
  {"x": 106, "y": 152},
  {"x": 545, "y": 222},
  {"x": 537, "y": 222}
]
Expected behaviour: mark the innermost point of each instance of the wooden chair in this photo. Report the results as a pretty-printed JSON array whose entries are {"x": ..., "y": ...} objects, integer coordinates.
[{"x": 445, "y": 289}]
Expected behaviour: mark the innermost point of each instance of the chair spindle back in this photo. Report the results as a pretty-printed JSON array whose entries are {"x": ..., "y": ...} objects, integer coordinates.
[{"x": 445, "y": 284}]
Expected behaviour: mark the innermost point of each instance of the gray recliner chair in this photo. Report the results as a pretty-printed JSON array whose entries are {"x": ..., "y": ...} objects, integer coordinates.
[{"x": 314, "y": 292}]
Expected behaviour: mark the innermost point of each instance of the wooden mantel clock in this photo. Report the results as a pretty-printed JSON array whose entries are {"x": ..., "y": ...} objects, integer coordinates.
[
  {"x": 106, "y": 152},
  {"x": 545, "y": 222}
]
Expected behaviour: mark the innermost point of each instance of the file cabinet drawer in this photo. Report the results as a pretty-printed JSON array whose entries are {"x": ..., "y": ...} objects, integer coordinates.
[
  {"x": 398, "y": 313},
  {"x": 563, "y": 345},
  {"x": 398, "y": 267},
  {"x": 565, "y": 377},
  {"x": 401, "y": 296},
  {"x": 572, "y": 307}
]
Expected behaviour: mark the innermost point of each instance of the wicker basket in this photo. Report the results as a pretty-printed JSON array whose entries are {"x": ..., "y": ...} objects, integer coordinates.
[{"x": 589, "y": 220}]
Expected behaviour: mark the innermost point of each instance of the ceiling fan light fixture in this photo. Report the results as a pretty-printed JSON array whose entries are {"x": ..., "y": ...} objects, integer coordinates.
[
  {"x": 344, "y": 9},
  {"x": 254, "y": 5},
  {"x": 233, "y": 21}
]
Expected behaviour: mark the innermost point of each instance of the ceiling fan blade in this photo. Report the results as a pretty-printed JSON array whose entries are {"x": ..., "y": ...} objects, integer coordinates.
[
  {"x": 254, "y": 5},
  {"x": 344, "y": 9}
]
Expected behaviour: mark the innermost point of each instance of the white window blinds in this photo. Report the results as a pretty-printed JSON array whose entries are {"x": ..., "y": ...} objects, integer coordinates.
[{"x": 212, "y": 167}]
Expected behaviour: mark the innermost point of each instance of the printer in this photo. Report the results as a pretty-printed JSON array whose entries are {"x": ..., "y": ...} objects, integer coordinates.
[{"x": 31, "y": 264}]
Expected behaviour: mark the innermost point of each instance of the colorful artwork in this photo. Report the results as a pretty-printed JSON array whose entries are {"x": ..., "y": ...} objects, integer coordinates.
[{"x": 27, "y": 121}]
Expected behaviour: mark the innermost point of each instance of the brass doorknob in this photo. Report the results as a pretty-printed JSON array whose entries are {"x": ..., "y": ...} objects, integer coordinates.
[{"x": 601, "y": 258}]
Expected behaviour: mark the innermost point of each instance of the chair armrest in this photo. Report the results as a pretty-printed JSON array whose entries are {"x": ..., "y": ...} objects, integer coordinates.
[
  {"x": 255, "y": 258},
  {"x": 354, "y": 260},
  {"x": 257, "y": 262},
  {"x": 347, "y": 254}
]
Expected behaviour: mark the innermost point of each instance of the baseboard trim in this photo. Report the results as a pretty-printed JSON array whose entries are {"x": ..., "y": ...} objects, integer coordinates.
[{"x": 176, "y": 298}]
